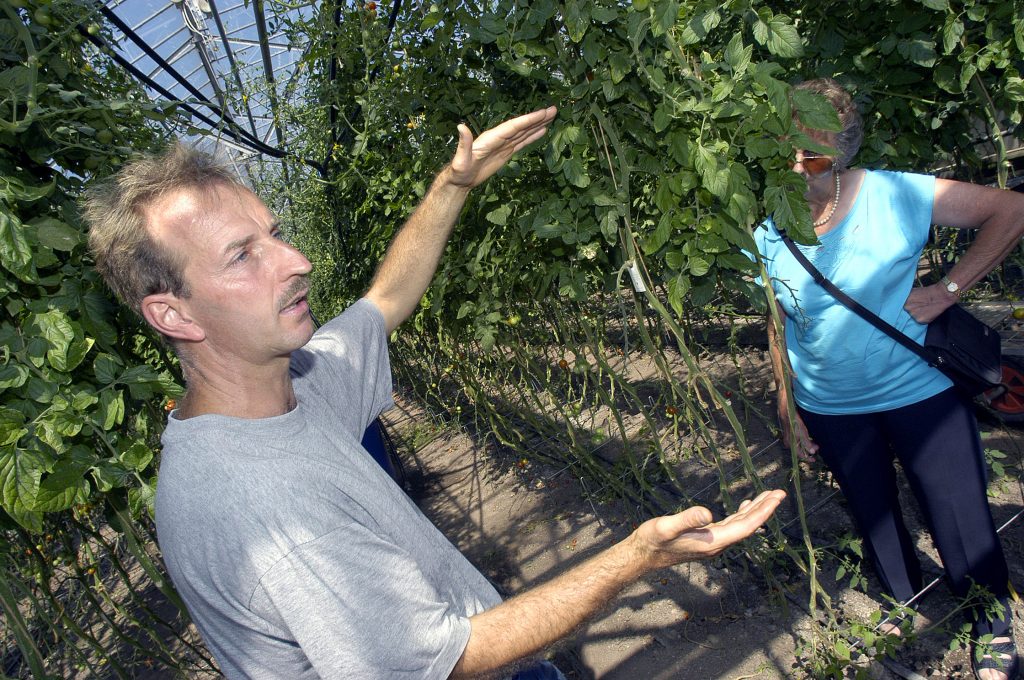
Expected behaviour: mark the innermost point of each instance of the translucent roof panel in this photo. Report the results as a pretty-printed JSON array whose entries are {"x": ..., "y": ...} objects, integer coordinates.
[{"x": 226, "y": 58}]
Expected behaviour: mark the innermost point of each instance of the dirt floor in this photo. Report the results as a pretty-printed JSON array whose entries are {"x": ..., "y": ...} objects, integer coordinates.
[{"x": 522, "y": 523}]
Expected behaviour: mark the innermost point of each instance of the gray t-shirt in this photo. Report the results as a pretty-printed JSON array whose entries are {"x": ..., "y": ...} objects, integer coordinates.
[{"x": 297, "y": 555}]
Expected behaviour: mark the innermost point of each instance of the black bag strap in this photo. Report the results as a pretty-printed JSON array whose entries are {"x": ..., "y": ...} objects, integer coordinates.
[{"x": 855, "y": 306}]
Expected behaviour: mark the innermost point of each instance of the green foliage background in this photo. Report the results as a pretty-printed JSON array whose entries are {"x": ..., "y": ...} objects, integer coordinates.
[{"x": 675, "y": 132}]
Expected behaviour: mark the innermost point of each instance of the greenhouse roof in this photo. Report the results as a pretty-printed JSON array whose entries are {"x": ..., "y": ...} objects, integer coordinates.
[{"x": 229, "y": 60}]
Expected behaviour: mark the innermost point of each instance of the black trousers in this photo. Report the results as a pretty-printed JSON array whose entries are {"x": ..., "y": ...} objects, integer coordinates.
[{"x": 939, "y": 448}]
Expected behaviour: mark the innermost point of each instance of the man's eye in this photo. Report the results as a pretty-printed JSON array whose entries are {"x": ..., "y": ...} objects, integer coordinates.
[
  {"x": 278, "y": 234},
  {"x": 241, "y": 257}
]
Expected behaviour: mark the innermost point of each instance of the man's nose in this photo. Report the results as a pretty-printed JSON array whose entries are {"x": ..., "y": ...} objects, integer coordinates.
[{"x": 293, "y": 260}]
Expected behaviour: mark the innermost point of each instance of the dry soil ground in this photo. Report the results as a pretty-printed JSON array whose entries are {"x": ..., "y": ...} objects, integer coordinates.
[{"x": 523, "y": 525}]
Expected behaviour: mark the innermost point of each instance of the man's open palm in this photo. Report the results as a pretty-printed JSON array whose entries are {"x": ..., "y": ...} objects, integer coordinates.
[
  {"x": 477, "y": 159},
  {"x": 690, "y": 535}
]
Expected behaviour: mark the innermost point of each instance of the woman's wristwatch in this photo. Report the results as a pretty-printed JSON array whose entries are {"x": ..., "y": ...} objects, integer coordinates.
[{"x": 951, "y": 286}]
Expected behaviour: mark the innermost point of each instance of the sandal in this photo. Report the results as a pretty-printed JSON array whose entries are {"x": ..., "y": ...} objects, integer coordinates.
[{"x": 1001, "y": 656}]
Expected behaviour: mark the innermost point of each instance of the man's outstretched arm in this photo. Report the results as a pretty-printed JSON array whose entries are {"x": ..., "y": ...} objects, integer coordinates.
[
  {"x": 411, "y": 260},
  {"x": 531, "y": 621}
]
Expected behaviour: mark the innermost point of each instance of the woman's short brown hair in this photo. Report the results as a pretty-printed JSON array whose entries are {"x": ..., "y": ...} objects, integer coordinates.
[
  {"x": 851, "y": 134},
  {"x": 131, "y": 262}
]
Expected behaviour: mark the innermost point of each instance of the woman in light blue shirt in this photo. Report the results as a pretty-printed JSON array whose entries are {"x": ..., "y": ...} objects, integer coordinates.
[{"x": 862, "y": 399}]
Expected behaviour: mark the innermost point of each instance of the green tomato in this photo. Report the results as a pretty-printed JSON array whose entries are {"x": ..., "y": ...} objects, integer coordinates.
[
  {"x": 43, "y": 17},
  {"x": 104, "y": 136}
]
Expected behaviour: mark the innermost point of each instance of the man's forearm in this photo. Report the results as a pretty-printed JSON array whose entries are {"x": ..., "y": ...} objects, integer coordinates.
[
  {"x": 412, "y": 258},
  {"x": 531, "y": 621}
]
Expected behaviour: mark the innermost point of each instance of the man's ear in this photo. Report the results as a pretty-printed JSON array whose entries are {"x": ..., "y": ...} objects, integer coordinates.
[{"x": 168, "y": 314}]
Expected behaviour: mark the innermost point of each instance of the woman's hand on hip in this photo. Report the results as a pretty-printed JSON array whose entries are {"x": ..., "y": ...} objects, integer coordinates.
[{"x": 925, "y": 303}]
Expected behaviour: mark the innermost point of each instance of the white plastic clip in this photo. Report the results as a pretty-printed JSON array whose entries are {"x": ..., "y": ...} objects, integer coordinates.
[{"x": 634, "y": 274}]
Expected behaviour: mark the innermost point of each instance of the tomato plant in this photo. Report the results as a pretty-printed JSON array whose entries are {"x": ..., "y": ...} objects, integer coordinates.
[{"x": 81, "y": 380}]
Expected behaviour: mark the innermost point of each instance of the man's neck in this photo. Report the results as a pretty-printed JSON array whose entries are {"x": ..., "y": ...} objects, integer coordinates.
[{"x": 250, "y": 393}]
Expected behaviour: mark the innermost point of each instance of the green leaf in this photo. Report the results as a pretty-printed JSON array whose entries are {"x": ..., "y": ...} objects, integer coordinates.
[
  {"x": 661, "y": 235},
  {"x": 620, "y": 65},
  {"x": 783, "y": 39},
  {"x": 940, "y": 5},
  {"x": 678, "y": 286},
  {"x": 698, "y": 265},
  {"x": 97, "y": 315},
  {"x": 609, "y": 225},
  {"x": 430, "y": 20},
  {"x": 968, "y": 72},
  {"x": 665, "y": 14},
  {"x": 921, "y": 52},
  {"x": 16, "y": 82},
  {"x": 63, "y": 488},
  {"x": 717, "y": 182},
  {"x": 13, "y": 375},
  {"x": 110, "y": 475},
  {"x": 574, "y": 172},
  {"x": 1014, "y": 89},
  {"x": 55, "y": 327},
  {"x": 106, "y": 367},
  {"x": 111, "y": 409},
  {"x": 499, "y": 215},
  {"x": 760, "y": 30},
  {"x": 55, "y": 234},
  {"x": 952, "y": 31},
  {"x": 577, "y": 19},
  {"x": 761, "y": 147},
  {"x": 662, "y": 117},
  {"x": 737, "y": 55},
  {"x": 57, "y": 423},
  {"x": 15, "y": 253},
  {"x": 77, "y": 351},
  {"x": 736, "y": 261},
  {"x": 699, "y": 26},
  {"x": 815, "y": 111},
  {"x": 789, "y": 210},
  {"x": 140, "y": 498},
  {"x": 945, "y": 77},
  {"x": 11, "y": 426},
  {"x": 20, "y": 473},
  {"x": 704, "y": 159},
  {"x": 137, "y": 456}
]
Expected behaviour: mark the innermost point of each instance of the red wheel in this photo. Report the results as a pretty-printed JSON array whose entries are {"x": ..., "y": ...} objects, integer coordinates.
[{"x": 1009, "y": 406}]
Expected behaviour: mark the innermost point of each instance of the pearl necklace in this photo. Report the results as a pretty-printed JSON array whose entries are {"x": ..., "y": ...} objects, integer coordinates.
[{"x": 835, "y": 203}]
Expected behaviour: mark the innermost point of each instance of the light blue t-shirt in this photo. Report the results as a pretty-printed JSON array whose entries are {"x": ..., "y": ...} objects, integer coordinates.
[{"x": 843, "y": 364}]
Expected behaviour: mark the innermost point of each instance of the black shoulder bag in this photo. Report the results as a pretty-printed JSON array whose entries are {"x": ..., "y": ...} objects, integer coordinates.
[{"x": 966, "y": 350}]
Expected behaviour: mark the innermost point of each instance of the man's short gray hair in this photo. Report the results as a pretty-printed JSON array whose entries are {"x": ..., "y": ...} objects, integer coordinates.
[{"x": 132, "y": 263}]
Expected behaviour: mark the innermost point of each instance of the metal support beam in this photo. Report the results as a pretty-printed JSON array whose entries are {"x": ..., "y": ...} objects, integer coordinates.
[
  {"x": 268, "y": 67},
  {"x": 234, "y": 64}
]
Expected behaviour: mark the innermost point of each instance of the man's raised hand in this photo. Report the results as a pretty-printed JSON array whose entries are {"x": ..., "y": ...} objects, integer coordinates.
[{"x": 477, "y": 159}]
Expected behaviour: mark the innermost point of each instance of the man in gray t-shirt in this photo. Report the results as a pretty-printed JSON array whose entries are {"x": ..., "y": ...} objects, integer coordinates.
[{"x": 295, "y": 553}]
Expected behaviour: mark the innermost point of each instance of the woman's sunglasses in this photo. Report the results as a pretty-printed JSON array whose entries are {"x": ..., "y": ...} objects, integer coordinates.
[{"x": 814, "y": 163}]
